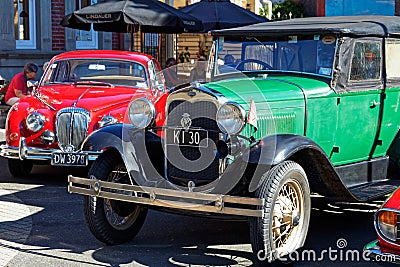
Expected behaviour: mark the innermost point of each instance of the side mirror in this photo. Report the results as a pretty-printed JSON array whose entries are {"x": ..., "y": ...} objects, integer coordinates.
[
  {"x": 158, "y": 88},
  {"x": 32, "y": 84}
]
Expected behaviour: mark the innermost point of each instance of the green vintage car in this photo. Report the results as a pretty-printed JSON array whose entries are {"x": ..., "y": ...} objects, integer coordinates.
[{"x": 288, "y": 110}]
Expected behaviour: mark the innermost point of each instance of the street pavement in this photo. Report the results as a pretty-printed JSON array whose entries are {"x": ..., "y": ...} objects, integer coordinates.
[{"x": 42, "y": 225}]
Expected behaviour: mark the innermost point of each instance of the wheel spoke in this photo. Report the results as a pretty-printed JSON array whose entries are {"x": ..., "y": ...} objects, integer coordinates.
[
  {"x": 278, "y": 226},
  {"x": 283, "y": 234},
  {"x": 287, "y": 235},
  {"x": 283, "y": 202}
]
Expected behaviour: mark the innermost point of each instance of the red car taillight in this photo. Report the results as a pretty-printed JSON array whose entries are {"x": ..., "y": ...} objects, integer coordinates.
[{"x": 386, "y": 224}]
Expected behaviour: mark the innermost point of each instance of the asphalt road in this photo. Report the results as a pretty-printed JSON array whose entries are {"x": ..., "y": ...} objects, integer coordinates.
[{"x": 42, "y": 225}]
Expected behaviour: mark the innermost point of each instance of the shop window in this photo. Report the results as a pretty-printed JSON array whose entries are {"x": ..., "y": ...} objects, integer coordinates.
[
  {"x": 25, "y": 24},
  {"x": 86, "y": 39}
]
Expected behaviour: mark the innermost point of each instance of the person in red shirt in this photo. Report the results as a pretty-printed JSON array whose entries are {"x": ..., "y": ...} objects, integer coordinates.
[{"x": 18, "y": 88}]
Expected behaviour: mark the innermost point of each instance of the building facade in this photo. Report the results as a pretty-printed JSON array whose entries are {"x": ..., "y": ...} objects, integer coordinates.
[{"x": 31, "y": 32}]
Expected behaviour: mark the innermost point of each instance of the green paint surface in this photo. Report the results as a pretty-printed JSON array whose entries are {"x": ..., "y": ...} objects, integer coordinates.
[{"x": 344, "y": 125}]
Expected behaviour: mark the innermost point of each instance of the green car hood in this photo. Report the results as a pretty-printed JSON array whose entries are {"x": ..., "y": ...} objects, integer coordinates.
[
  {"x": 280, "y": 101},
  {"x": 272, "y": 90}
]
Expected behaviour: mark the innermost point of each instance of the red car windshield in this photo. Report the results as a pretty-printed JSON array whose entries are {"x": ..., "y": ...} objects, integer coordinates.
[{"x": 116, "y": 72}]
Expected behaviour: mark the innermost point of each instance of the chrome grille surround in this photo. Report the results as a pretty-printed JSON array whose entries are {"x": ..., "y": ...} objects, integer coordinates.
[
  {"x": 398, "y": 228},
  {"x": 205, "y": 105},
  {"x": 71, "y": 128}
]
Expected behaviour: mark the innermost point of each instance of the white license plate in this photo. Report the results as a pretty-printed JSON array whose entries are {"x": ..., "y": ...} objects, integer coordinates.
[{"x": 69, "y": 159}]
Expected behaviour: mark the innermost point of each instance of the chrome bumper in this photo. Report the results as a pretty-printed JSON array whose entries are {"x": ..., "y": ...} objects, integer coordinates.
[
  {"x": 169, "y": 198},
  {"x": 374, "y": 251},
  {"x": 24, "y": 152}
]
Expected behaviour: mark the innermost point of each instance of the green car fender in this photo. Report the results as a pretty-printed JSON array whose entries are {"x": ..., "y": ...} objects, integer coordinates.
[{"x": 273, "y": 150}]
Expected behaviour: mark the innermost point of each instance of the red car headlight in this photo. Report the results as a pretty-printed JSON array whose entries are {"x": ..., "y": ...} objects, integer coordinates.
[{"x": 386, "y": 224}]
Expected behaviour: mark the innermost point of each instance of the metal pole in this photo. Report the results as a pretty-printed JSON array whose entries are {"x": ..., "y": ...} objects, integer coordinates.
[{"x": 169, "y": 49}]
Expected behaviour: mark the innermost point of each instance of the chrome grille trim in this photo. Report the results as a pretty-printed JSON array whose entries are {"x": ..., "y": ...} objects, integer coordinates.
[
  {"x": 71, "y": 127},
  {"x": 203, "y": 104},
  {"x": 398, "y": 227}
]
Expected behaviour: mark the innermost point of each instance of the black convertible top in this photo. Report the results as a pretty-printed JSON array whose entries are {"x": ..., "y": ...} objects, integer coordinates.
[{"x": 344, "y": 25}]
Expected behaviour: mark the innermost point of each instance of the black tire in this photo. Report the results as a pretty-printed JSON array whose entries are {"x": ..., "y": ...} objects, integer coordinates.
[
  {"x": 287, "y": 208},
  {"x": 128, "y": 218},
  {"x": 20, "y": 168}
]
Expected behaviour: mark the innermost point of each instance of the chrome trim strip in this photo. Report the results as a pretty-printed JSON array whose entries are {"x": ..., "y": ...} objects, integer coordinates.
[
  {"x": 160, "y": 197},
  {"x": 23, "y": 152},
  {"x": 375, "y": 252},
  {"x": 38, "y": 96}
]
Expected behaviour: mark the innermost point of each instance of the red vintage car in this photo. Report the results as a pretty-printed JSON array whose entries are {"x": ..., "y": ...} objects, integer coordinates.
[
  {"x": 79, "y": 93},
  {"x": 387, "y": 226}
]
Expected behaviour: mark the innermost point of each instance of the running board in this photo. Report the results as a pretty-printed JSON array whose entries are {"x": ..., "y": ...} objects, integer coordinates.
[{"x": 374, "y": 190}]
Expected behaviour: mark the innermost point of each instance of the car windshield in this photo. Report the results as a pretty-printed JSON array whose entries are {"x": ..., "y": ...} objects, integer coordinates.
[
  {"x": 310, "y": 54},
  {"x": 116, "y": 72}
]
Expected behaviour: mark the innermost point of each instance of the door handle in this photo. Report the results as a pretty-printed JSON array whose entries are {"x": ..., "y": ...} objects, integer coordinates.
[{"x": 374, "y": 104}]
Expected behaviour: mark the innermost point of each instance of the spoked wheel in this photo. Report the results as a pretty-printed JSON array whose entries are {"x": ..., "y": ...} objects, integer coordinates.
[
  {"x": 112, "y": 221},
  {"x": 287, "y": 212},
  {"x": 286, "y": 216}
]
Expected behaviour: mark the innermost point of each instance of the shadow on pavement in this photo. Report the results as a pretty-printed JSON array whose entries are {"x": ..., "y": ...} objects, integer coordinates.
[{"x": 59, "y": 234}]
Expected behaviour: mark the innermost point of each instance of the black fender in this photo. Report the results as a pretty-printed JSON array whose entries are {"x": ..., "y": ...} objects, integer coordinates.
[
  {"x": 141, "y": 150},
  {"x": 272, "y": 150},
  {"x": 275, "y": 149},
  {"x": 104, "y": 138},
  {"x": 115, "y": 136}
]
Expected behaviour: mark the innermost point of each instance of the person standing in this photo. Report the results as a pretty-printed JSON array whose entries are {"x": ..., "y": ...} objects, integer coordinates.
[
  {"x": 18, "y": 88},
  {"x": 170, "y": 75},
  {"x": 198, "y": 73}
]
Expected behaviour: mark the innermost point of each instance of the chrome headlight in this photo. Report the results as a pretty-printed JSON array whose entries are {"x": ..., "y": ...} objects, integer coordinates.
[
  {"x": 231, "y": 118},
  {"x": 141, "y": 113},
  {"x": 48, "y": 137},
  {"x": 386, "y": 224},
  {"x": 35, "y": 121},
  {"x": 107, "y": 120}
]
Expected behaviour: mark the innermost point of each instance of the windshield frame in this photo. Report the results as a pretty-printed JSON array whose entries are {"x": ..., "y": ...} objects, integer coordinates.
[{"x": 219, "y": 41}]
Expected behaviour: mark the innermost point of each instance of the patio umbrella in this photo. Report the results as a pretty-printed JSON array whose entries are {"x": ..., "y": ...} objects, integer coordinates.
[
  {"x": 221, "y": 14},
  {"x": 130, "y": 15}
]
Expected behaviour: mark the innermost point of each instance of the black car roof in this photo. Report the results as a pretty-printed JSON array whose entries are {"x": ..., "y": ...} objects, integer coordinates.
[{"x": 344, "y": 25}]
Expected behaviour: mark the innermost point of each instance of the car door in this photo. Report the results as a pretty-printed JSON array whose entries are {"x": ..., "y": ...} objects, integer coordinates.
[
  {"x": 359, "y": 104},
  {"x": 391, "y": 109}
]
